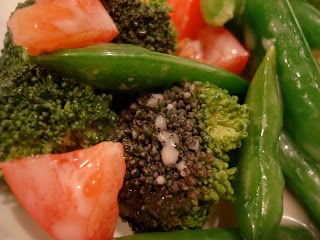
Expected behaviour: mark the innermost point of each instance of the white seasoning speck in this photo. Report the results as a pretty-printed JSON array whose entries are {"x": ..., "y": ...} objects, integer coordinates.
[
  {"x": 170, "y": 106},
  {"x": 161, "y": 122},
  {"x": 160, "y": 180},
  {"x": 181, "y": 165},
  {"x": 153, "y": 101}
]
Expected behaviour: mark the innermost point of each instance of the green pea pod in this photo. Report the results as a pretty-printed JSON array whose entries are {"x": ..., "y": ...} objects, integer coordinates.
[
  {"x": 218, "y": 12},
  {"x": 309, "y": 20},
  {"x": 283, "y": 233},
  {"x": 302, "y": 175},
  {"x": 292, "y": 233},
  {"x": 124, "y": 67},
  {"x": 315, "y": 3},
  {"x": 316, "y": 55},
  {"x": 272, "y": 22},
  {"x": 260, "y": 184}
]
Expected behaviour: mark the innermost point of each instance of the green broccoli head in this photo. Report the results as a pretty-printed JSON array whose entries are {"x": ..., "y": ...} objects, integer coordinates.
[
  {"x": 42, "y": 112},
  {"x": 143, "y": 23},
  {"x": 11, "y": 54},
  {"x": 176, "y": 146},
  {"x": 225, "y": 119}
]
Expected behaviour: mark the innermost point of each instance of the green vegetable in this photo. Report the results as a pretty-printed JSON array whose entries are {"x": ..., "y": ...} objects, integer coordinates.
[
  {"x": 309, "y": 20},
  {"x": 302, "y": 175},
  {"x": 218, "y": 12},
  {"x": 182, "y": 135},
  {"x": 299, "y": 76},
  {"x": 42, "y": 112},
  {"x": 315, "y": 3},
  {"x": 143, "y": 23},
  {"x": 11, "y": 54},
  {"x": 284, "y": 232},
  {"x": 316, "y": 55},
  {"x": 121, "y": 67},
  {"x": 259, "y": 185}
]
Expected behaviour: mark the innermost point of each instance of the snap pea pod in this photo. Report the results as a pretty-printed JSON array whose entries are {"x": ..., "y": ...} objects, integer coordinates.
[
  {"x": 309, "y": 20},
  {"x": 302, "y": 175},
  {"x": 272, "y": 22},
  {"x": 259, "y": 185},
  {"x": 315, "y": 3},
  {"x": 124, "y": 67},
  {"x": 218, "y": 12},
  {"x": 284, "y": 232}
]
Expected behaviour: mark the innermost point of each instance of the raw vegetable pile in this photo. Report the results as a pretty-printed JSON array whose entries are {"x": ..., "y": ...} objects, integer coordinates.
[{"x": 156, "y": 110}]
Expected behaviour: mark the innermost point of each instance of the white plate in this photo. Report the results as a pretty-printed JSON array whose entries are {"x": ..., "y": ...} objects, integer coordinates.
[{"x": 16, "y": 224}]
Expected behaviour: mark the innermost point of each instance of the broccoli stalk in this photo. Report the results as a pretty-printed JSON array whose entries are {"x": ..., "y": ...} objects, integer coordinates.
[
  {"x": 143, "y": 23},
  {"x": 176, "y": 146}
]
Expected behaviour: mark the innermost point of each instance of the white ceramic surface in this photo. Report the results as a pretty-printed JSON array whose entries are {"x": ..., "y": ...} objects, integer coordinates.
[{"x": 16, "y": 224}]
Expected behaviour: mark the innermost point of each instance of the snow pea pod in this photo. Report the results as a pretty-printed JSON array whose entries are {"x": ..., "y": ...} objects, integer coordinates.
[
  {"x": 124, "y": 67},
  {"x": 284, "y": 232},
  {"x": 259, "y": 186},
  {"x": 272, "y": 22},
  {"x": 309, "y": 20},
  {"x": 302, "y": 175}
]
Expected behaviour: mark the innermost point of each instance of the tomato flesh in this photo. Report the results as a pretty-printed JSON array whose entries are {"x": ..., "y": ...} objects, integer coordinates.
[
  {"x": 215, "y": 46},
  {"x": 71, "y": 195},
  {"x": 54, "y": 24},
  {"x": 187, "y": 18}
]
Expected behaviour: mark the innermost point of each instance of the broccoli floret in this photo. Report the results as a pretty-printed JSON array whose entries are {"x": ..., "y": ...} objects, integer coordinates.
[
  {"x": 176, "y": 146},
  {"x": 143, "y": 23},
  {"x": 11, "y": 54},
  {"x": 42, "y": 112}
]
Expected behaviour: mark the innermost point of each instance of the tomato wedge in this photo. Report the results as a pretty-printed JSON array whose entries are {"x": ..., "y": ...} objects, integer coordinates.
[
  {"x": 187, "y": 18},
  {"x": 215, "y": 46},
  {"x": 71, "y": 195},
  {"x": 54, "y": 24}
]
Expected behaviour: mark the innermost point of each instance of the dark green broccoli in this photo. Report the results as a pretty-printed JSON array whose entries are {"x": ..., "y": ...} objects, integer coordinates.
[
  {"x": 11, "y": 54},
  {"x": 42, "y": 112},
  {"x": 143, "y": 23},
  {"x": 176, "y": 146}
]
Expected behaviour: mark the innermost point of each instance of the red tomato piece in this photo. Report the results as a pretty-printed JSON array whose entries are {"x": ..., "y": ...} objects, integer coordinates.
[
  {"x": 54, "y": 24},
  {"x": 216, "y": 46},
  {"x": 71, "y": 195},
  {"x": 187, "y": 18}
]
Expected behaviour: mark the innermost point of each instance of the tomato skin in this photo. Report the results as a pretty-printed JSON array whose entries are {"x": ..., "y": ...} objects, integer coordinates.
[
  {"x": 54, "y": 24},
  {"x": 215, "y": 46},
  {"x": 187, "y": 18},
  {"x": 72, "y": 195}
]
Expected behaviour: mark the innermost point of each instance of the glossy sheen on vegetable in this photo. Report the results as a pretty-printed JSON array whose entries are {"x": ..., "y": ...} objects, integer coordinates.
[
  {"x": 121, "y": 67},
  {"x": 260, "y": 184},
  {"x": 309, "y": 20},
  {"x": 302, "y": 175},
  {"x": 299, "y": 76}
]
